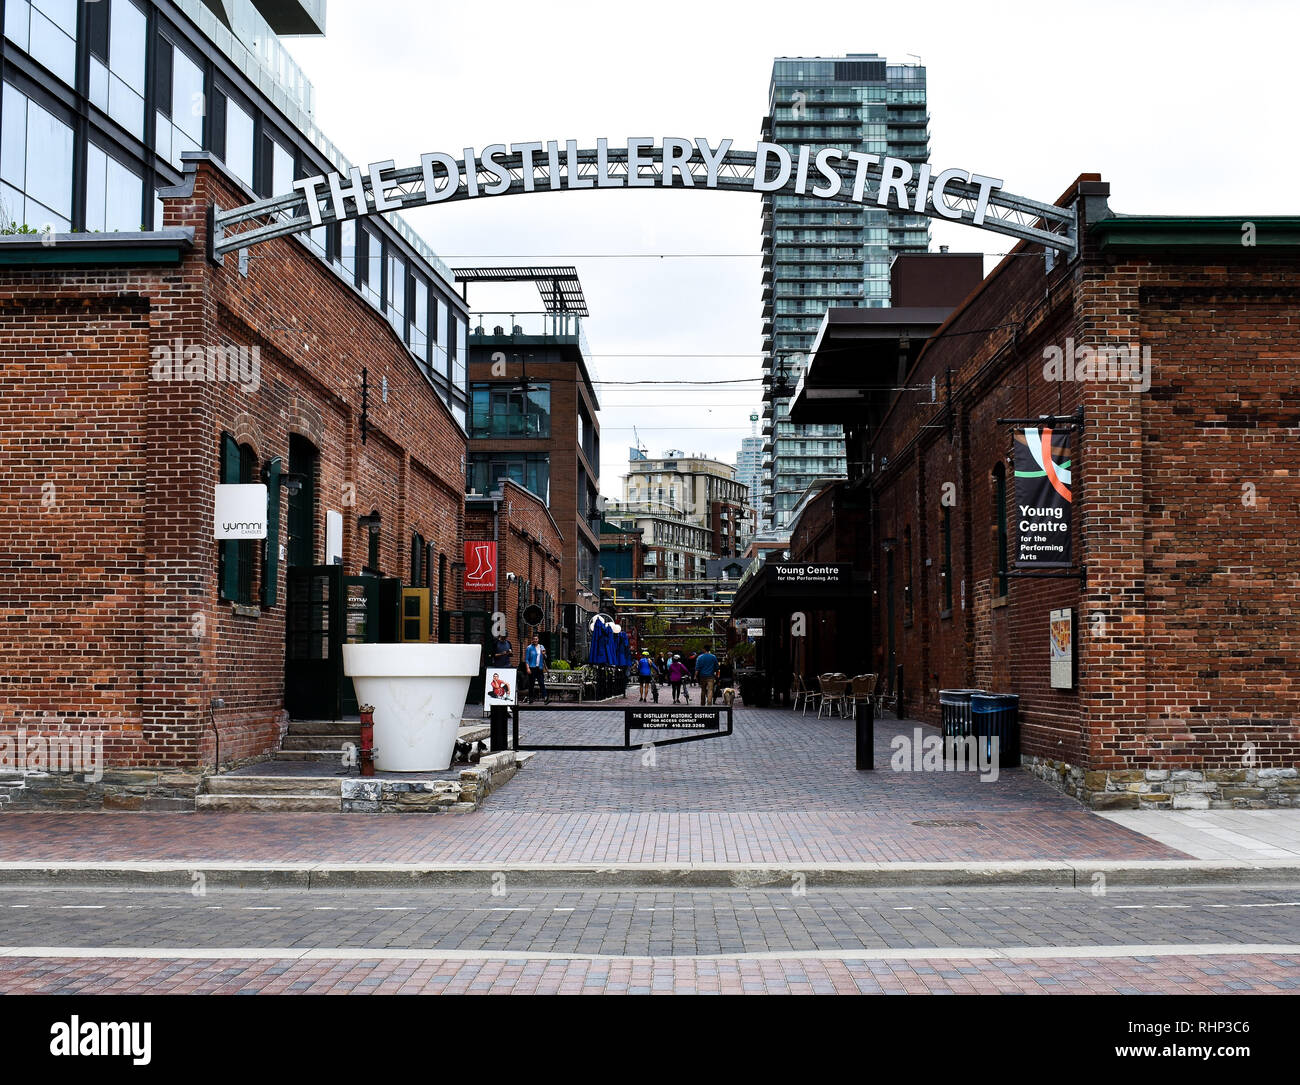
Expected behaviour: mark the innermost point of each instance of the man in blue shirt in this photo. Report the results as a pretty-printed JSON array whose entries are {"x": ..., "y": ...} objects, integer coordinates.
[
  {"x": 706, "y": 671},
  {"x": 535, "y": 661}
]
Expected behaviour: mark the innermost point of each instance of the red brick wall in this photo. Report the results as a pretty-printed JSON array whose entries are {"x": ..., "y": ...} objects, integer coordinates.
[
  {"x": 1187, "y": 625},
  {"x": 127, "y": 623},
  {"x": 529, "y": 545}
]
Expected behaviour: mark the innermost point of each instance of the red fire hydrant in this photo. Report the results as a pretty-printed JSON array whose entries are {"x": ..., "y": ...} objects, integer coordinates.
[{"x": 366, "y": 755}]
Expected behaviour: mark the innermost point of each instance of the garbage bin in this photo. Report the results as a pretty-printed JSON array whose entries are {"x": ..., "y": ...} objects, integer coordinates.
[
  {"x": 997, "y": 715},
  {"x": 954, "y": 710},
  {"x": 754, "y": 689}
]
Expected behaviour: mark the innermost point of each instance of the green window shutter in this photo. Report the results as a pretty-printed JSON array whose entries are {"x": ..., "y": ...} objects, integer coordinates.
[
  {"x": 271, "y": 545},
  {"x": 229, "y": 571}
]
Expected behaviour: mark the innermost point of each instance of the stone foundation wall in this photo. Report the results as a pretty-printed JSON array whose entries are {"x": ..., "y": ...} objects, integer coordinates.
[
  {"x": 374, "y": 795},
  {"x": 118, "y": 789},
  {"x": 1171, "y": 789}
]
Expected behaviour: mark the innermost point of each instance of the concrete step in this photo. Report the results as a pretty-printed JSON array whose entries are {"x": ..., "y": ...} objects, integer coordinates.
[
  {"x": 318, "y": 787},
  {"x": 319, "y": 742},
  {"x": 327, "y": 756},
  {"x": 325, "y": 727},
  {"x": 279, "y": 803}
]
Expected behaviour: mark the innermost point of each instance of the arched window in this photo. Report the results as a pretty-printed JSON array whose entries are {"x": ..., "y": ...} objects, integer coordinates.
[
  {"x": 417, "y": 561},
  {"x": 945, "y": 573},
  {"x": 237, "y": 558},
  {"x": 303, "y": 459}
]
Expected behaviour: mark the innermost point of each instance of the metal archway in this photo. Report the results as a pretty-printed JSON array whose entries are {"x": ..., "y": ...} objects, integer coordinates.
[{"x": 971, "y": 199}]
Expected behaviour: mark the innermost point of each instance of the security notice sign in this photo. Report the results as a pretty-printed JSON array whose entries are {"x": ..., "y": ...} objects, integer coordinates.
[
  {"x": 1043, "y": 498},
  {"x": 673, "y": 719}
]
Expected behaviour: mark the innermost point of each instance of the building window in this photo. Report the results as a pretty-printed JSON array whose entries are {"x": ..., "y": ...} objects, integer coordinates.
[
  {"x": 238, "y": 151},
  {"x": 180, "y": 103},
  {"x": 348, "y": 250},
  {"x": 35, "y": 164},
  {"x": 237, "y": 557},
  {"x": 417, "y": 560},
  {"x": 1000, "y": 578},
  {"x": 397, "y": 294},
  {"x": 303, "y": 458},
  {"x": 530, "y": 470},
  {"x": 907, "y": 575},
  {"x": 945, "y": 573},
  {"x": 372, "y": 546},
  {"x": 370, "y": 256},
  {"x": 282, "y": 169},
  {"x": 504, "y": 410},
  {"x": 116, "y": 34},
  {"x": 114, "y": 194},
  {"x": 459, "y": 354},
  {"x": 47, "y": 31},
  {"x": 418, "y": 333},
  {"x": 441, "y": 355}
]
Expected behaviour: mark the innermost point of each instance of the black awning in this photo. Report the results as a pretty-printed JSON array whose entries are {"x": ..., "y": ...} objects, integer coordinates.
[{"x": 780, "y": 587}]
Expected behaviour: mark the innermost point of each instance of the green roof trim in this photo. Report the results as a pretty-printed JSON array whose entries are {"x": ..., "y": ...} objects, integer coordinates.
[
  {"x": 1196, "y": 231},
  {"x": 159, "y": 248}
]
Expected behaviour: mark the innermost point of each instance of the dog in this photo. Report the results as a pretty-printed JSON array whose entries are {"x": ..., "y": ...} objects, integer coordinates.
[{"x": 728, "y": 696}]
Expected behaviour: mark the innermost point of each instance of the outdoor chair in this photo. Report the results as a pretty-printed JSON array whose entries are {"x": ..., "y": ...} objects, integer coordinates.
[
  {"x": 832, "y": 695},
  {"x": 802, "y": 692},
  {"x": 862, "y": 688}
]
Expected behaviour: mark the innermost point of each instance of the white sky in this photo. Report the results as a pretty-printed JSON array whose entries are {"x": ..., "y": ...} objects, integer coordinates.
[{"x": 1185, "y": 108}]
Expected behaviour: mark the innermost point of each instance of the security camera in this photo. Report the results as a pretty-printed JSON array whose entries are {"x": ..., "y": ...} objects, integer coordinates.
[{"x": 510, "y": 576}]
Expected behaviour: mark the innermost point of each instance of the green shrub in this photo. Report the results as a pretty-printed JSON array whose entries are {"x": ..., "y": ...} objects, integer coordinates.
[{"x": 561, "y": 665}]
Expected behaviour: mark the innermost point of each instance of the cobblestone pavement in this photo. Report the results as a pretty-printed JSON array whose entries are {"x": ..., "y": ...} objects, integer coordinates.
[
  {"x": 649, "y": 922},
  {"x": 1230, "y": 974},
  {"x": 782, "y": 788},
  {"x": 729, "y": 941}
]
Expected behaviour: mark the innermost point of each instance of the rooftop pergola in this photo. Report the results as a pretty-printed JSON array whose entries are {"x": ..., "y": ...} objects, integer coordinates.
[{"x": 559, "y": 287}]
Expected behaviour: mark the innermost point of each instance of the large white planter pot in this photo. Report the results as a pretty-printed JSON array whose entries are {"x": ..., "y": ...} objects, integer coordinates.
[{"x": 418, "y": 691}]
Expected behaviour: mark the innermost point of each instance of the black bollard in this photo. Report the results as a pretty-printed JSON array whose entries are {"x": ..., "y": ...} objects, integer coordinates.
[
  {"x": 498, "y": 735},
  {"x": 864, "y": 724}
]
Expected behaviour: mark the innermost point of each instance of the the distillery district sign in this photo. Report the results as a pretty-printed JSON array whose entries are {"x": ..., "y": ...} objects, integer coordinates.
[{"x": 829, "y": 173}]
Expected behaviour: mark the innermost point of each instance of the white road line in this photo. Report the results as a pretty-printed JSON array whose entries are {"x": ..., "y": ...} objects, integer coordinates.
[
  {"x": 392, "y": 908},
  {"x": 1128, "y": 907},
  {"x": 82, "y": 907},
  {"x": 353, "y": 953},
  {"x": 263, "y": 908}
]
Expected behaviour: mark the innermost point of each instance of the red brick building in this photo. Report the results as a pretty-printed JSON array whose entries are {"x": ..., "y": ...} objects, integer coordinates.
[
  {"x": 122, "y": 614},
  {"x": 546, "y": 439},
  {"x": 530, "y": 551},
  {"x": 1185, "y": 590}
]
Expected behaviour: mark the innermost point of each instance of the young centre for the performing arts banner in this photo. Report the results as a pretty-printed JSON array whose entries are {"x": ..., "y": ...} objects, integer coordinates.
[{"x": 1043, "y": 498}]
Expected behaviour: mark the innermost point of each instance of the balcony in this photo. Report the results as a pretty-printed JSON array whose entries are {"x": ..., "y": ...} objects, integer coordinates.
[{"x": 488, "y": 330}]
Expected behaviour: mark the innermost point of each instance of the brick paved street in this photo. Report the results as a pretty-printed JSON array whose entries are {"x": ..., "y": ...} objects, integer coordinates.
[
  {"x": 974, "y": 940},
  {"x": 1229, "y": 974},
  {"x": 782, "y": 788}
]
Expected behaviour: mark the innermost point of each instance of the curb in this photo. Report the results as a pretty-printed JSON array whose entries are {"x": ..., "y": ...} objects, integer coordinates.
[{"x": 483, "y": 876}]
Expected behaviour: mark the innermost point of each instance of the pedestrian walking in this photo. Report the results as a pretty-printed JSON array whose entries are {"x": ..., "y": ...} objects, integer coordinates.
[
  {"x": 706, "y": 671},
  {"x": 645, "y": 672},
  {"x": 502, "y": 652},
  {"x": 535, "y": 661},
  {"x": 677, "y": 674}
]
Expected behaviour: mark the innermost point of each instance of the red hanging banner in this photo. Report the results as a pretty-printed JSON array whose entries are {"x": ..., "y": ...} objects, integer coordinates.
[{"x": 480, "y": 566}]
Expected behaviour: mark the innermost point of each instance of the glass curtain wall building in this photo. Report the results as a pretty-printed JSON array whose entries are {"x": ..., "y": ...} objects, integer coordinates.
[
  {"x": 100, "y": 99},
  {"x": 817, "y": 254}
]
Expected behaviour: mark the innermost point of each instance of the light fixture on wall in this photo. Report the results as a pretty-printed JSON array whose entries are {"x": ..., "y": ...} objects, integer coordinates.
[{"x": 370, "y": 523}]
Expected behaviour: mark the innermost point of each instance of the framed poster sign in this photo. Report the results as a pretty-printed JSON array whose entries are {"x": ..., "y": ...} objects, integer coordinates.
[{"x": 1061, "y": 626}]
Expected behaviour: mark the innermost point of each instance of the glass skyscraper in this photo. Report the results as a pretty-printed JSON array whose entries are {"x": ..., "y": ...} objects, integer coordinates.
[{"x": 818, "y": 254}]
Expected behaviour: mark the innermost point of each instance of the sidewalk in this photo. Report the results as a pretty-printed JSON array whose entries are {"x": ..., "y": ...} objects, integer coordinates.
[{"x": 780, "y": 794}]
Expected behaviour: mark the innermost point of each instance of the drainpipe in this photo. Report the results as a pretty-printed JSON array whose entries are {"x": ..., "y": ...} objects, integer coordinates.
[{"x": 496, "y": 539}]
